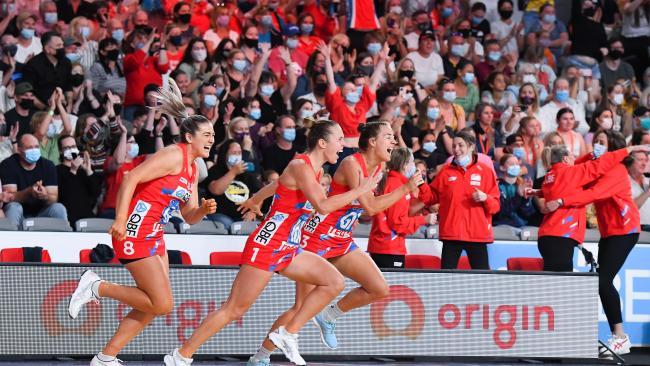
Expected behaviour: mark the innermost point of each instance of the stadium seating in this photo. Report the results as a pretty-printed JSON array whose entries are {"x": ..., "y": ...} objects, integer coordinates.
[
  {"x": 84, "y": 256},
  {"x": 506, "y": 232},
  {"x": 420, "y": 234},
  {"x": 170, "y": 228},
  {"x": 243, "y": 227},
  {"x": 15, "y": 255},
  {"x": 362, "y": 230},
  {"x": 529, "y": 233},
  {"x": 205, "y": 227},
  {"x": 184, "y": 256},
  {"x": 7, "y": 225},
  {"x": 225, "y": 258},
  {"x": 644, "y": 237},
  {"x": 420, "y": 261},
  {"x": 592, "y": 235},
  {"x": 525, "y": 264},
  {"x": 93, "y": 225},
  {"x": 46, "y": 224},
  {"x": 432, "y": 232}
]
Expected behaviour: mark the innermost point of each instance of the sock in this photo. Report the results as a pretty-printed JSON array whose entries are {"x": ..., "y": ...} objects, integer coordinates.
[
  {"x": 105, "y": 358},
  {"x": 95, "y": 288},
  {"x": 332, "y": 312},
  {"x": 262, "y": 354},
  {"x": 185, "y": 359}
]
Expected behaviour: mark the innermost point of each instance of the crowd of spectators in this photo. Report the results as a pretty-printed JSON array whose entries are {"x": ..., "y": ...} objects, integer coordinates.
[{"x": 77, "y": 76}]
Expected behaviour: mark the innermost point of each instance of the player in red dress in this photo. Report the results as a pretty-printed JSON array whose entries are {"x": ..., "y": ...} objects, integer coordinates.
[
  {"x": 148, "y": 194},
  {"x": 330, "y": 235},
  {"x": 275, "y": 246}
]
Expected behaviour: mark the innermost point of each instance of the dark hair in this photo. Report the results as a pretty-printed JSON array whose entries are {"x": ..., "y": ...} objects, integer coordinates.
[
  {"x": 386, "y": 91},
  {"x": 615, "y": 140},
  {"x": 47, "y": 37},
  {"x": 399, "y": 157},
  {"x": 637, "y": 136},
  {"x": 423, "y": 134},
  {"x": 267, "y": 77},
  {"x": 478, "y": 6},
  {"x": 320, "y": 130},
  {"x": 222, "y": 154},
  {"x": 218, "y": 56},
  {"x": 490, "y": 79},
  {"x": 369, "y": 130},
  {"x": 593, "y": 125},
  {"x": 563, "y": 111},
  {"x": 187, "y": 56},
  {"x": 60, "y": 145},
  {"x": 466, "y": 136},
  {"x": 613, "y": 40},
  {"x": 480, "y": 108},
  {"x": 419, "y": 12},
  {"x": 490, "y": 42},
  {"x": 179, "y": 5},
  {"x": 103, "y": 60},
  {"x": 501, "y": 2}
]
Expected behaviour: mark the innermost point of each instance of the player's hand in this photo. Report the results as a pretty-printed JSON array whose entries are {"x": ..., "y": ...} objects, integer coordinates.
[
  {"x": 250, "y": 206},
  {"x": 432, "y": 219},
  {"x": 479, "y": 196},
  {"x": 118, "y": 229},
  {"x": 208, "y": 206}
]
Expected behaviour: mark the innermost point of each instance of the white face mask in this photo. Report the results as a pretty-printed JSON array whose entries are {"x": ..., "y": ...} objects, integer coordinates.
[
  {"x": 618, "y": 98},
  {"x": 607, "y": 123},
  {"x": 199, "y": 55},
  {"x": 529, "y": 78}
]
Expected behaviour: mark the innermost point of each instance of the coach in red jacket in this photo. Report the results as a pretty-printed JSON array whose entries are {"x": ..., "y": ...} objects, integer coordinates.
[
  {"x": 387, "y": 241},
  {"x": 468, "y": 195}
]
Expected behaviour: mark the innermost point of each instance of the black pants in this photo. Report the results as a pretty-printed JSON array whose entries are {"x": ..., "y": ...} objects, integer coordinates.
[
  {"x": 388, "y": 260},
  {"x": 476, "y": 253},
  {"x": 612, "y": 253},
  {"x": 557, "y": 252}
]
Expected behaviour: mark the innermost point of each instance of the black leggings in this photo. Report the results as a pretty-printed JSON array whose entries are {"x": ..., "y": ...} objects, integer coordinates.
[
  {"x": 388, "y": 260},
  {"x": 612, "y": 253},
  {"x": 557, "y": 253},
  {"x": 476, "y": 253}
]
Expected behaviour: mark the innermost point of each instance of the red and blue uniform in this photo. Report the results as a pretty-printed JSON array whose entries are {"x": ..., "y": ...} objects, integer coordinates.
[
  {"x": 330, "y": 235},
  {"x": 150, "y": 210},
  {"x": 276, "y": 241}
]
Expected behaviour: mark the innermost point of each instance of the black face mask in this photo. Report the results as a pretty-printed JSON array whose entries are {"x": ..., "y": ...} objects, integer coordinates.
[
  {"x": 184, "y": 18},
  {"x": 527, "y": 100},
  {"x": 424, "y": 26},
  {"x": 589, "y": 12},
  {"x": 367, "y": 70},
  {"x": 252, "y": 43},
  {"x": 60, "y": 53},
  {"x": 112, "y": 55},
  {"x": 406, "y": 74},
  {"x": 320, "y": 89},
  {"x": 505, "y": 14},
  {"x": 176, "y": 40},
  {"x": 27, "y": 103},
  {"x": 615, "y": 54},
  {"x": 77, "y": 79}
]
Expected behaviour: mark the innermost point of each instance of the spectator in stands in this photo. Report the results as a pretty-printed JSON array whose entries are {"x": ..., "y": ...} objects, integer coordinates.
[
  {"x": 194, "y": 63},
  {"x": 635, "y": 32},
  {"x": 507, "y": 32},
  {"x": 427, "y": 63},
  {"x": 46, "y": 132},
  {"x": 530, "y": 131},
  {"x": 78, "y": 186},
  {"x": 547, "y": 22},
  {"x": 106, "y": 73},
  {"x": 452, "y": 113},
  {"x": 278, "y": 155},
  {"x": 566, "y": 124},
  {"x": 182, "y": 16},
  {"x": 33, "y": 182},
  {"x": 466, "y": 92},
  {"x": 229, "y": 167},
  {"x": 456, "y": 51},
  {"x": 495, "y": 61},
  {"x": 561, "y": 99},
  {"x": 514, "y": 145},
  {"x": 613, "y": 67},
  {"x": 49, "y": 19},
  {"x": 429, "y": 153},
  {"x": 615, "y": 100},
  {"x": 9, "y": 142},
  {"x": 527, "y": 106},
  {"x": 81, "y": 33},
  {"x": 22, "y": 114},
  {"x": 588, "y": 39},
  {"x": 637, "y": 165},
  {"x": 219, "y": 30},
  {"x": 115, "y": 29},
  {"x": 84, "y": 98},
  {"x": 431, "y": 119},
  {"x": 488, "y": 134},
  {"x": 496, "y": 94},
  {"x": 28, "y": 44},
  {"x": 601, "y": 120},
  {"x": 69, "y": 9},
  {"x": 516, "y": 209}
]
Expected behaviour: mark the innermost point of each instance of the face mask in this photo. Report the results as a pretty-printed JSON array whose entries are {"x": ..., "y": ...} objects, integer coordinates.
[
  {"x": 77, "y": 79},
  {"x": 423, "y": 27},
  {"x": 27, "y": 103},
  {"x": 352, "y": 97},
  {"x": 519, "y": 152},
  {"x": 118, "y": 35},
  {"x": 615, "y": 54},
  {"x": 256, "y": 113},
  {"x": 514, "y": 170},
  {"x": 476, "y": 20},
  {"x": 468, "y": 78},
  {"x": 289, "y": 134},
  {"x": 406, "y": 74},
  {"x": 134, "y": 150},
  {"x": 71, "y": 154},
  {"x": 429, "y": 146},
  {"x": 463, "y": 161},
  {"x": 449, "y": 96},
  {"x": 529, "y": 78},
  {"x": 223, "y": 20},
  {"x": 494, "y": 56},
  {"x": 306, "y": 28},
  {"x": 112, "y": 55},
  {"x": 32, "y": 155},
  {"x": 433, "y": 113},
  {"x": 446, "y": 12},
  {"x": 607, "y": 123},
  {"x": 527, "y": 100},
  {"x": 410, "y": 171},
  {"x": 561, "y": 95},
  {"x": 267, "y": 21},
  {"x": 239, "y": 65},
  {"x": 645, "y": 123},
  {"x": 27, "y": 33},
  {"x": 548, "y": 18},
  {"x": 589, "y": 12},
  {"x": 199, "y": 55},
  {"x": 618, "y": 99},
  {"x": 267, "y": 90},
  {"x": 367, "y": 70},
  {"x": 50, "y": 18},
  {"x": 320, "y": 89},
  {"x": 458, "y": 50},
  {"x": 73, "y": 57},
  {"x": 210, "y": 100},
  {"x": 176, "y": 40},
  {"x": 51, "y": 130},
  {"x": 139, "y": 45},
  {"x": 306, "y": 113},
  {"x": 184, "y": 18},
  {"x": 599, "y": 150},
  {"x": 396, "y": 9},
  {"x": 292, "y": 43},
  {"x": 220, "y": 91},
  {"x": 84, "y": 32},
  {"x": 373, "y": 48},
  {"x": 233, "y": 160},
  {"x": 505, "y": 14},
  {"x": 251, "y": 43}
]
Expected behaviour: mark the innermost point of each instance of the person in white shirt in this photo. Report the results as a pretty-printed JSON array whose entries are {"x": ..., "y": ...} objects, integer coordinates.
[
  {"x": 428, "y": 64},
  {"x": 560, "y": 99},
  {"x": 507, "y": 31},
  {"x": 636, "y": 164},
  {"x": 28, "y": 44}
]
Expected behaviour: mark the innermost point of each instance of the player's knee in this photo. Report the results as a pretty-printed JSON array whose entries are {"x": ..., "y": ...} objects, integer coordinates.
[
  {"x": 380, "y": 291},
  {"x": 337, "y": 283},
  {"x": 236, "y": 312},
  {"x": 163, "y": 306}
]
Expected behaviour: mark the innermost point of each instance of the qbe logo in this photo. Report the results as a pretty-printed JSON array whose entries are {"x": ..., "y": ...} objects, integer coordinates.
[
  {"x": 269, "y": 228},
  {"x": 313, "y": 223},
  {"x": 135, "y": 219}
]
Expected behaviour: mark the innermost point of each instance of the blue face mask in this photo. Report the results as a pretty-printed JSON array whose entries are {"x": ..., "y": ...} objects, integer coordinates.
[
  {"x": 464, "y": 160},
  {"x": 220, "y": 91},
  {"x": 51, "y": 130},
  {"x": 233, "y": 160},
  {"x": 374, "y": 48},
  {"x": 289, "y": 134},
  {"x": 306, "y": 113},
  {"x": 429, "y": 146},
  {"x": 118, "y": 35},
  {"x": 458, "y": 50},
  {"x": 84, "y": 31},
  {"x": 73, "y": 57},
  {"x": 433, "y": 113},
  {"x": 599, "y": 150},
  {"x": 139, "y": 45},
  {"x": 292, "y": 43},
  {"x": 645, "y": 123},
  {"x": 360, "y": 90},
  {"x": 446, "y": 12},
  {"x": 519, "y": 152},
  {"x": 27, "y": 33},
  {"x": 352, "y": 97},
  {"x": 134, "y": 150},
  {"x": 51, "y": 18},
  {"x": 449, "y": 96},
  {"x": 256, "y": 113},
  {"x": 562, "y": 95},
  {"x": 476, "y": 20},
  {"x": 210, "y": 100},
  {"x": 468, "y": 78},
  {"x": 267, "y": 20},
  {"x": 548, "y": 18},
  {"x": 306, "y": 28},
  {"x": 410, "y": 171},
  {"x": 239, "y": 65},
  {"x": 267, "y": 90},
  {"x": 514, "y": 170},
  {"x": 494, "y": 56},
  {"x": 397, "y": 112},
  {"x": 32, "y": 155}
]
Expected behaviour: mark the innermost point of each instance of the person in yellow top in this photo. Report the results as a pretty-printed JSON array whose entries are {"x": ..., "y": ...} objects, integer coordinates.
[{"x": 531, "y": 10}]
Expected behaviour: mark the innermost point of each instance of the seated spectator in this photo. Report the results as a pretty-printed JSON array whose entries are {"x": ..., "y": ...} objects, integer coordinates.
[
  {"x": 22, "y": 114},
  {"x": 561, "y": 100},
  {"x": 219, "y": 30},
  {"x": 48, "y": 70},
  {"x": 530, "y": 131},
  {"x": 636, "y": 165},
  {"x": 431, "y": 119},
  {"x": 496, "y": 94},
  {"x": 106, "y": 73},
  {"x": 307, "y": 40},
  {"x": 28, "y": 44},
  {"x": 229, "y": 167},
  {"x": 466, "y": 91},
  {"x": 516, "y": 208},
  {"x": 452, "y": 113},
  {"x": 46, "y": 132},
  {"x": 80, "y": 33},
  {"x": 514, "y": 145},
  {"x": 84, "y": 98},
  {"x": 600, "y": 120},
  {"x": 194, "y": 64},
  {"x": 8, "y": 138},
  {"x": 495, "y": 61},
  {"x": 527, "y": 105},
  {"x": 278, "y": 155},
  {"x": 507, "y": 31},
  {"x": 428, "y": 64},
  {"x": 566, "y": 124},
  {"x": 547, "y": 22},
  {"x": 95, "y": 135},
  {"x": 33, "y": 182},
  {"x": 489, "y": 136},
  {"x": 429, "y": 153}
]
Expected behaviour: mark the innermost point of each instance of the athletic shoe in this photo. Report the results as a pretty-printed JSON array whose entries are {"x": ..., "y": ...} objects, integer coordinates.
[
  {"x": 620, "y": 346},
  {"x": 175, "y": 359},
  {"x": 97, "y": 362},
  {"x": 288, "y": 344},
  {"x": 263, "y": 362},
  {"x": 83, "y": 294},
  {"x": 326, "y": 329}
]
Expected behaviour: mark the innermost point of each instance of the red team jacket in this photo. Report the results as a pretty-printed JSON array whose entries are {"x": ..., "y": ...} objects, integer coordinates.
[
  {"x": 460, "y": 218},
  {"x": 390, "y": 227},
  {"x": 570, "y": 221}
]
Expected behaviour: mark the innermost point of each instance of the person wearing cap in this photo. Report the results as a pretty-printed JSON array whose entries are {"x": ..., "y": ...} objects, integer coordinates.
[
  {"x": 24, "y": 110},
  {"x": 49, "y": 69},
  {"x": 28, "y": 44},
  {"x": 428, "y": 64},
  {"x": 277, "y": 64}
]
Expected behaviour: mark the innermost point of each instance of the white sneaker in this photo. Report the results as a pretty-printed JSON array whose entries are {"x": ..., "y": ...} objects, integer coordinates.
[
  {"x": 97, "y": 362},
  {"x": 288, "y": 344},
  {"x": 175, "y": 359},
  {"x": 620, "y": 346},
  {"x": 83, "y": 294}
]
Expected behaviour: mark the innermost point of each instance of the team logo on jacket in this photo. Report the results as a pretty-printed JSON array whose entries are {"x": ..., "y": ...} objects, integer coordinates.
[
  {"x": 550, "y": 178},
  {"x": 135, "y": 219},
  {"x": 475, "y": 180},
  {"x": 270, "y": 227},
  {"x": 452, "y": 178}
]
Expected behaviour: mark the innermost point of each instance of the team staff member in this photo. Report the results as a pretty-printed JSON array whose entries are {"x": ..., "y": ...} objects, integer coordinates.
[
  {"x": 564, "y": 228},
  {"x": 468, "y": 194},
  {"x": 387, "y": 241}
]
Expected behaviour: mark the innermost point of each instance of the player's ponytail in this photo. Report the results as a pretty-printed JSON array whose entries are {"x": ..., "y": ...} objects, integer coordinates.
[{"x": 171, "y": 103}]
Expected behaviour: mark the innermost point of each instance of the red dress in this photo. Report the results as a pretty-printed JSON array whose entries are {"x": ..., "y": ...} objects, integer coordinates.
[
  {"x": 150, "y": 210},
  {"x": 276, "y": 241}
]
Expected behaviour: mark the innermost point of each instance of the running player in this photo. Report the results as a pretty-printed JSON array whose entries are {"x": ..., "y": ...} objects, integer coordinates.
[
  {"x": 330, "y": 235},
  {"x": 145, "y": 201},
  {"x": 275, "y": 246}
]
